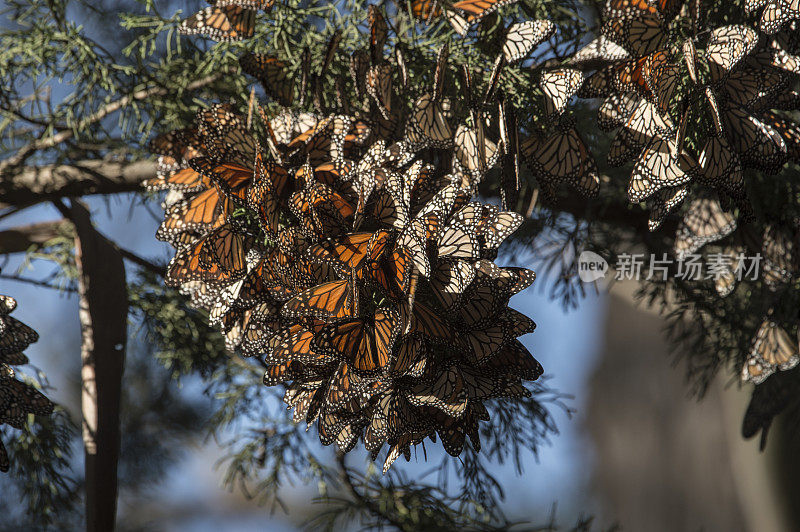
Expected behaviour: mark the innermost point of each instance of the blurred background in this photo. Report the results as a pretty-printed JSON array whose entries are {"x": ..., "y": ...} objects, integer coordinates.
[{"x": 637, "y": 451}]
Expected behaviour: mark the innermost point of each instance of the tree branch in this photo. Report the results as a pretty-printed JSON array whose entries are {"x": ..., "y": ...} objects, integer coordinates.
[
  {"x": 362, "y": 499},
  {"x": 48, "y": 142},
  {"x": 33, "y": 185},
  {"x": 21, "y": 239}
]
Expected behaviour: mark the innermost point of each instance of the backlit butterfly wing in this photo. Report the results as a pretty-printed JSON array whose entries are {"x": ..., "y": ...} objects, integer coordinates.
[
  {"x": 635, "y": 26},
  {"x": 231, "y": 23},
  {"x": 758, "y": 144},
  {"x": 364, "y": 343},
  {"x": 662, "y": 203},
  {"x": 772, "y": 350},
  {"x": 655, "y": 170},
  {"x": 720, "y": 166},
  {"x": 777, "y": 13},
  {"x": 335, "y": 299},
  {"x": 428, "y": 124},
  {"x": 777, "y": 248},
  {"x": 379, "y": 87},
  {"x": 726, "y": 47},
  {"x": 600, "y": 49},
  {"x": 615, "y": 111},
  {"x": 704, "y": 222},
  {"x": 558, "y": 87},
  {"x": 523, "y": 37}
]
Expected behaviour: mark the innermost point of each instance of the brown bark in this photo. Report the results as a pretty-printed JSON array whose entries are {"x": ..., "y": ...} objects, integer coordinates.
[
  {"x": 103, "y": 316},
  {"x": 35, "y": 184},
  {"x": 21, "y": 239}
]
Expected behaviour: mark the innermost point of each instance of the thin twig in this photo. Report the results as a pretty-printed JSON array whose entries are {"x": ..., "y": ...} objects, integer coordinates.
[
  {"x": 31, "y": 148},
  {"x": 362, "y": 499},
  {"x": 36, "y": 282}
]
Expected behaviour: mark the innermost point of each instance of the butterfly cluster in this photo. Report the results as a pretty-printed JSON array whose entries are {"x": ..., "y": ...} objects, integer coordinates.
[
  {"x": 17, "y": 399},
  {"x": 693, "y": 110},
  {"x": 345, "y": 251}
]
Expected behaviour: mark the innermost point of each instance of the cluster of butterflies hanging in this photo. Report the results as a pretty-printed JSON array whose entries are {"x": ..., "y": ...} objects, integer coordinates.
[
  {"x": 694, "y": 106},
  {"x": 346, "y": 252},
  {"x": 17, "y": 399}
]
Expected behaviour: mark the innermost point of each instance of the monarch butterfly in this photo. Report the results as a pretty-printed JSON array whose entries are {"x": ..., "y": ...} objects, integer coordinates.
[
  {"x": 351, "y": 252},
  {"x": 635, "y": 26},
  {"x": 481, "y": 304},
  {"x": 422, "y": 321},
  {"x": 704, "y": 222},
  {"x": 306, "y": 402},
  {"x": 458, "y": 241},
  {"x": 425, "y": 9},
  {"x": 273, "y": 75},
  {"x": 449, "y": 280},
  {"x": 288, "y": 124},
  {"x": 332, "y": 300},
  {"x": 359, "y": 65},
  {"x": 411, "y": 357},
  {"x": 600, "y": 49},
  {"x": 662, "y": 203},
  {"x": 512, "y": 359},
  {"x": 378, "y": 32},
  {"x": 779, "y": 264},
  {"x": 393, "y": 272},
  {"x": 643, "y": 124},
  {"x": 428, "y": 124},
  {"x": 16, "y": 337},
  {"x": 231, "y": 179},
  {"x": 753, "y": 88},
  {"x": 510, "y": 280},
  {"x": 598, "y": 85},
  {"x": 186, "y": 266},
  {"x": 473, "y": 153},
  {"x": 523, "y": 37},
  {"x": 789, "y": 132},
  {"x": 772, "y": 351},
  {"x": 7, "y": 304},
  {"x": 758, "y": 144},
  {"x": 185, "y": 180},
  {"x": 229, "y": 23},
  {"x": 498, "y": 226},
  {"x": 292, "y": 344},
  {"x": 226, "y": 247},
  {"x": 226, "y": 135},
  {"x": 379, "y": 87},
  {"x": 198, "y": 214},
  {"x": 453, "y": 433},
  {"x": 725, "y": 282},
  {"x": 440, "y": 71},
  {"x": 720, "y": 166},
  {"x": 484, "y": 342},
  {"x": 777, "y": 13},
  {"x": 615, "y": 111},
  {"x": 477, "y": 9},
  {"x": 562, "y": 157},
  {"x": 656, "y": 170},
  {"x": 445, "y": 392},
  {"x": 364, "y": 343},
  {"x": 726, "y": 47},
  {"x": 559, "y": 86},
  {"x": 18, "y": 399}
]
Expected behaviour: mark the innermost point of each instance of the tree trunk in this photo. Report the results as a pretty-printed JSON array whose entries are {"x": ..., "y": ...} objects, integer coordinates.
[{"x": 103, "y": 316}]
